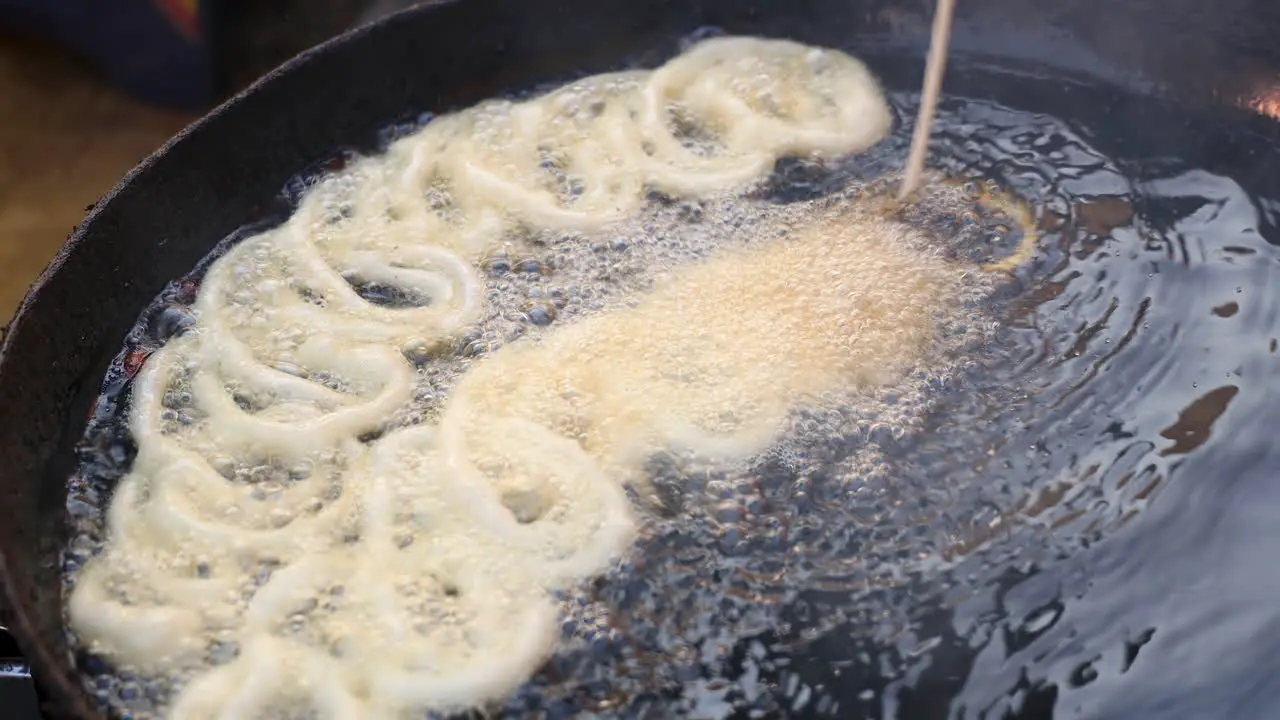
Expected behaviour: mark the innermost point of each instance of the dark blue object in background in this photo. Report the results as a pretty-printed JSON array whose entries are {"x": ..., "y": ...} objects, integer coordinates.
[
  {"x": 17, "y": 692},
  {"x": 157, "y": 51}
]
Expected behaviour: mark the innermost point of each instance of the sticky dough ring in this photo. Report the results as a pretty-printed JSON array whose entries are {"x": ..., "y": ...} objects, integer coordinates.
[
  {"x": 702, "y": 83},
  {"x": 533, "y": 132},
  {"x": 509, "y": 641},
  {"x": 835, "y": 108},
  {"x": 580, "y": 489}
]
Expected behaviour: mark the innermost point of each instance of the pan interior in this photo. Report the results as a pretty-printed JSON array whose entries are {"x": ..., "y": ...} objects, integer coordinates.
[{"x": 998, "y": 534}]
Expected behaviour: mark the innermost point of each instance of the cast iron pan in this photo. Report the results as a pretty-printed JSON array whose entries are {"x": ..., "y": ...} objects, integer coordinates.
[{"x": 171, "y": 210}]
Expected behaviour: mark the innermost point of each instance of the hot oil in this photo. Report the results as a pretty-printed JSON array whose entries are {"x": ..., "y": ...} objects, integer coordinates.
[{"x": 921, "y": 545}]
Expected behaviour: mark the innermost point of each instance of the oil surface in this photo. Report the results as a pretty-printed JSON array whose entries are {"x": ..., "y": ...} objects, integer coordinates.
[{"x": 1077, "y": 524}]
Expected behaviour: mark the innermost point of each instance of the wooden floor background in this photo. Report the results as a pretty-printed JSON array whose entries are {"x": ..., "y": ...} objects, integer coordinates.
[{"x": 65, "y": 139}]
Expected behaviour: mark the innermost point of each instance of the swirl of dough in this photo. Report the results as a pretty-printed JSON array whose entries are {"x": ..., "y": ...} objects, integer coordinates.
[
  {"x": 426, "y": 611},
  {"x": 268, "y": 673},
  {"x": 753, "y": 101},
  {"x": 714, "y": 119},
  {"x": 779, "y": 97},
  {"x": 536, "y": 490},
  {"x": 549, "y": 162},
  {"x": 363, "y": 571}
]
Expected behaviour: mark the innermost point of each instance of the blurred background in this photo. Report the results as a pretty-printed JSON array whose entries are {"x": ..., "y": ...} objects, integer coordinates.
[{"x": 89, "y": 88}]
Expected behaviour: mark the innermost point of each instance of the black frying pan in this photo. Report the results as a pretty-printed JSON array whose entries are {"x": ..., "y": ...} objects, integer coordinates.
[{"x": 222, "y": 171}]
